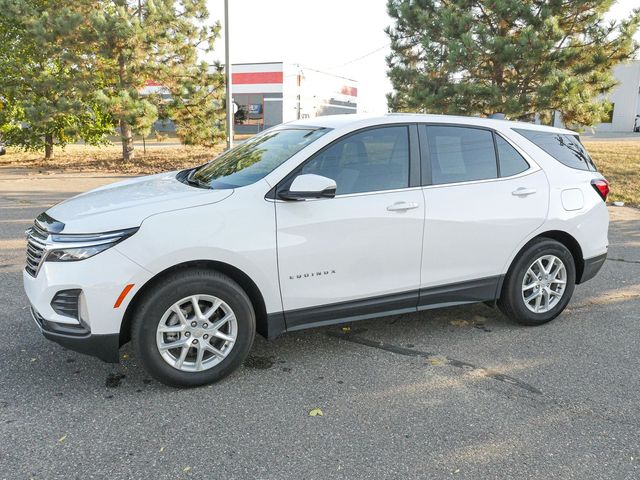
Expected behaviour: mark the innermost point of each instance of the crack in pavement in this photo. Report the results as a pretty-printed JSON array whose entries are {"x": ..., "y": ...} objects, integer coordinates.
[
  {"x": 410, "y": 352},
  {"x": 580, "y": 409},
  {"x": 623, "y": 260}
]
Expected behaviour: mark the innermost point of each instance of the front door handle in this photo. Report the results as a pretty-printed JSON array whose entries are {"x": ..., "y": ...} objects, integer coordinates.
[
  {"x": 402, "y": 206},
  {"x": 523, "y": 192}
]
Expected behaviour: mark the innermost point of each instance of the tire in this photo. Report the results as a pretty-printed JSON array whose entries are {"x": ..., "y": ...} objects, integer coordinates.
[
  {"x": 512, "y": 299},
  {"x": 158, "y": 306}
]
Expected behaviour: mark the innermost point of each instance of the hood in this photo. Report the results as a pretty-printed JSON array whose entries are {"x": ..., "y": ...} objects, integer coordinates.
[{"x": 126, "y": 204}]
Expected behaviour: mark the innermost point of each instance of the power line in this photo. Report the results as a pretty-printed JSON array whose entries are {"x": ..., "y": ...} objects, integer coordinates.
[{"x": 361, "y": 57}]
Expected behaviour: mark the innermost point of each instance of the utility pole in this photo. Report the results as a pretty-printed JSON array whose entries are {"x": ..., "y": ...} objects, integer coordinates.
[
  {"x": 227, "y": 69},
  {"x": 144, "y": 143}
]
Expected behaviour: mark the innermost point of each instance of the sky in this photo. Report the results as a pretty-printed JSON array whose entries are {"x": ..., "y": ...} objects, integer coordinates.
[{"x": 343, "y": 37}]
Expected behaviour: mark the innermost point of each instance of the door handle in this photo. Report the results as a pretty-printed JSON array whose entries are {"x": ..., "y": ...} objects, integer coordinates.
[
  {"x": 523, "y": 192},
  {"x": 402, "y": 206}
]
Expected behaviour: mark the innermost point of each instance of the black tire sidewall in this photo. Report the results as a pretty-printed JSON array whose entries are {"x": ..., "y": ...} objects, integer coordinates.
[
  {"x": 512, "y": 301},
  {"x": 158, "y": 300}
]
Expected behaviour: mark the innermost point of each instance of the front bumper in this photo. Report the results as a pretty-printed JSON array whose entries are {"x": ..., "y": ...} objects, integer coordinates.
[
  {"x": 101, "y": 280},
  {"x": 105, "y": 347}
]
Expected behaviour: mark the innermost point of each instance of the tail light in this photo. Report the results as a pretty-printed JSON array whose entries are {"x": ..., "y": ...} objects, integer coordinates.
[{"x": 602, "y": 187}]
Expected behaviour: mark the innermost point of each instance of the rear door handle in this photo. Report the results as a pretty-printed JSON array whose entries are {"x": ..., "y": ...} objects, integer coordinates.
[
  {"x": 523, "y": 192},
  {"x": 402, "y": 206}
]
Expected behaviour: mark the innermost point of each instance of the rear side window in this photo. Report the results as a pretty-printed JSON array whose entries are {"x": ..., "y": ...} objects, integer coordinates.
[
  {"x": 369, "y": 161},
  {"x": 565, "y": 148},
  {"x": 511, "y": 162},
  {"x": 461, "y": 154}
]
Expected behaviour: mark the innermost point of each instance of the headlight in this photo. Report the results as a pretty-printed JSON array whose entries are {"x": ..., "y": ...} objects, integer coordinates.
[
  {"x": 75, "y": 254},
  {"x": 75, "y": 247}
]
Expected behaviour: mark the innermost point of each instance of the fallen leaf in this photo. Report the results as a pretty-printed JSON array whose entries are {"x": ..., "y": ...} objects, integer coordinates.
[
  {"x": 33, "y": 359},
  {"x": 346, "y": 329},
  {"x": 436, "y": 361},
  {"x": 125, "y": 356},
  {"x": 316, "y": 412},
  {"x": 459, "y": 323},
  {"x": 161, "y": 449},
  {"x": 62, "y": 438},
  {"x": 186, "y": 469}
]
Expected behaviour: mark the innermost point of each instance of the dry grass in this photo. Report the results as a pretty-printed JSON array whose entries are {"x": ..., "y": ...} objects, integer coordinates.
[
  {"x": 82, "y": 158},
  {"x": 619, "y": 162}
]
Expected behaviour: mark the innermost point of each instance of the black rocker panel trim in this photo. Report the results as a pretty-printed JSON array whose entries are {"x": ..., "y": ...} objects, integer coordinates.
[
  {"x": 273, "y": 327},
  {"x": 472, "y": 291},
  {"x": 351, "y": 311}
]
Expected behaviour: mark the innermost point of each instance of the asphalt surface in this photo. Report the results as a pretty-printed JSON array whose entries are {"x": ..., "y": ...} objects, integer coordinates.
[{"x": 455, "y": 393}]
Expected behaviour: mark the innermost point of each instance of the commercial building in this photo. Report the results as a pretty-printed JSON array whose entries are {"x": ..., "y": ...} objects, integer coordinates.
[
  {"x": 625, "y": 98},
  {"x": 267, "y": 94}
]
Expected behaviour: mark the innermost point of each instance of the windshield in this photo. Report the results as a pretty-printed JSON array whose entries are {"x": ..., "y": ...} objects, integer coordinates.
[{"x": 257, "y": 157}]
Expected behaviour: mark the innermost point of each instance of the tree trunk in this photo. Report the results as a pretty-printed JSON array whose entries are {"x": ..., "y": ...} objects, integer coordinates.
[
  {"x": 48, "y": 146},
  {"x": 127, "y": 141}
]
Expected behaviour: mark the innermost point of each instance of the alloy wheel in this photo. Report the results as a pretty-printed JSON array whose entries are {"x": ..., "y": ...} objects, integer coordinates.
[
  {"x": 196, "y": 333},
  {"x": 544, "y": 283}
]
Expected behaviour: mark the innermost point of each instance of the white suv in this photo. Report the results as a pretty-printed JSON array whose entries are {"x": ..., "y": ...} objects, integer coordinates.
[{"x": 313, "y": 223}]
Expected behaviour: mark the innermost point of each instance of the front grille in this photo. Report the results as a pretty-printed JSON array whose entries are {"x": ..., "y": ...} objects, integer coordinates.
[
  {"x": 35, "y": 249},
  {"x": 65, "y": 302}
]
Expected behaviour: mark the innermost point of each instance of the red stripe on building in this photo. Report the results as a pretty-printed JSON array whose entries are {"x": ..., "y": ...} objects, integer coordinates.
[
  {"x": 250, "y": 78},
  {"x": 351, "y": 91}
]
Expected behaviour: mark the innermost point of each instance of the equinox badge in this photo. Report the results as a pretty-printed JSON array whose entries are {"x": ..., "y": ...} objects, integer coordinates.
[{"x": 312, "y": 274}]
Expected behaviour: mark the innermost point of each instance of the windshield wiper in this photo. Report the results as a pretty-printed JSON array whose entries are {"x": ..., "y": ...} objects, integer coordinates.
[{"x": 196, "y": 182}]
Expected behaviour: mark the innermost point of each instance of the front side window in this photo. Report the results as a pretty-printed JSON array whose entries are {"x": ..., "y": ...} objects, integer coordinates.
[
  {"x": 461, "y": 154},
  {"x": 257, "y": 157},
  {"x": 565, "y": 148},
  {"x": 511, "y": 162},
  {"x": 369, "y": 161}
]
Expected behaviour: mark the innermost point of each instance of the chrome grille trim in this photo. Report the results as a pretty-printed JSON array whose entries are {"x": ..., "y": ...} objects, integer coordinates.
[
  {"x": 41, "y": 242},
  {"x": 36, "y": 249}
]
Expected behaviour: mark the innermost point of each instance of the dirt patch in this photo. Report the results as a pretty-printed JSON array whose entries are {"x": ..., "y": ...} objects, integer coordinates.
[{"x": 82, "y": 158}]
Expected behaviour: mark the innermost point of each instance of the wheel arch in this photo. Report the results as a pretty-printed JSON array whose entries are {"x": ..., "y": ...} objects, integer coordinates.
[
  {"x": 565, "y": 239},
  {"x": 237, "y": 275}
]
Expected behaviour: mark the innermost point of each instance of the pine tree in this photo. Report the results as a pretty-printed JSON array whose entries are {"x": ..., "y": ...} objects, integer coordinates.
[
  {"x": 155, "y": 40},
  {"x": 197, "y": 106},
  {"x": 43, "y": 104},
  {"x": 517, "y": 57}
]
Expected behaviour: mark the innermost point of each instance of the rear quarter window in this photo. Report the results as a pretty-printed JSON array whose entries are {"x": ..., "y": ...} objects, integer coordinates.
[{"x": 565, "y": 148}]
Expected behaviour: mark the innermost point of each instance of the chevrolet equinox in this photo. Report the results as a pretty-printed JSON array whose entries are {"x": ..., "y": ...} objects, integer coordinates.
[{"x": 318, "y": 222}]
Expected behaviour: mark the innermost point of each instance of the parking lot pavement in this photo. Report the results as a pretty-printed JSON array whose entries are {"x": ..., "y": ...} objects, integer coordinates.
[{"x": 460, "y": 393}]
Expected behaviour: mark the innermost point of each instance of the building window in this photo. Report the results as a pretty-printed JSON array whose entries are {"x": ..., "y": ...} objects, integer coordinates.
[{"x": 250, "y": 109}]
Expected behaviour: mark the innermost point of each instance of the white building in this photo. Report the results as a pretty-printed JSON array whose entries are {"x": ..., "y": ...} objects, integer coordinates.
[
  {"x": 267, "y": 94},
  {"x": 625, "y": 98}
]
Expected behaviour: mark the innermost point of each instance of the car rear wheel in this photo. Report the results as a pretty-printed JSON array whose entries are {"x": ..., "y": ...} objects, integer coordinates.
[
  {"x": 539, "y": 284},
  {"x": 194, "y": 328}
]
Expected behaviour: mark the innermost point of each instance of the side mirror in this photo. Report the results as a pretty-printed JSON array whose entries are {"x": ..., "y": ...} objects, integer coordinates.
[{"x": 309, "y": 186}]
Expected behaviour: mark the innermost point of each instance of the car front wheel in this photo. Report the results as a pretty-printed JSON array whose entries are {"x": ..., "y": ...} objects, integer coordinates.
[
  {"x": 539, "y": 284},
  {"x": 194, "y": 328}
]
